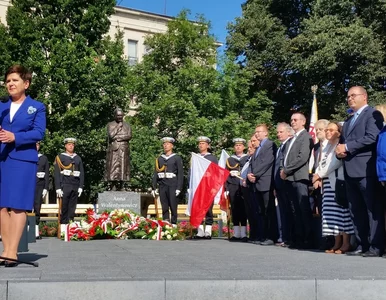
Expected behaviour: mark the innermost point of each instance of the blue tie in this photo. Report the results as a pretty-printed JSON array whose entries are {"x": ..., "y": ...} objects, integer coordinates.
[{"x": 355, "y": 116}]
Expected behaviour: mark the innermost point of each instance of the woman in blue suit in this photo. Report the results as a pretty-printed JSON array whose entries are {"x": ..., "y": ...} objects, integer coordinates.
[{"x": 23, "y": 123}]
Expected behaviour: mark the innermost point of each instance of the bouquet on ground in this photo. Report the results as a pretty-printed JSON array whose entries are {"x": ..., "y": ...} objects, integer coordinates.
[{"x": 120, "y": 224}]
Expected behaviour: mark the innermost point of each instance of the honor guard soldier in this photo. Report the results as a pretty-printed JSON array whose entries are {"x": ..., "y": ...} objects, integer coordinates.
[
  {"x": 233, "y": 190},
  {"x": 169, "y": 176},
  {"x": 42, "y": 181},
  {"x": 203, "y": 147},
  {"x": 69, "y": 179}
]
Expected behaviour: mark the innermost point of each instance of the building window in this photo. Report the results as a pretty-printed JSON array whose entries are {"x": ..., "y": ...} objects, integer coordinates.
[{"x": 132, "y": 52}]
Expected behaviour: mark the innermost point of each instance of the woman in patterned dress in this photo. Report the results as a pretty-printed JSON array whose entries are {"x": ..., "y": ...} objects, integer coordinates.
[{"x": 336, "y": 220}]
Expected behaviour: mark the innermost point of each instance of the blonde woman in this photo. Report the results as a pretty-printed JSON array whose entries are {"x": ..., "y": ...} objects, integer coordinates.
[{"x": 336, "y": 219}]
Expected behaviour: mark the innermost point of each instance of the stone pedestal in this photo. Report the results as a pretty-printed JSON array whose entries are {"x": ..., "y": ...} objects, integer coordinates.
[{"x": 111, "y": 200}]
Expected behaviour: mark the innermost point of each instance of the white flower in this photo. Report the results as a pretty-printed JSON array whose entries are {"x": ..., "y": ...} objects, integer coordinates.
[
  {"x": 31, "y": 110},
  {"x": 167, "y": 227},
  {"x": 162, "y": 233},
  {"x": 174, "y": 235},
  {"x": 167, "y": 232},
  {"x": 153, "y": 237},
  {"x": 169, "y": 237},
  {"x": 150, "y": 230}
]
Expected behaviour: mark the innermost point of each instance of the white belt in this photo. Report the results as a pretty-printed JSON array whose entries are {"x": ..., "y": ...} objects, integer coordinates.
[
  {"x": 235, "y": 173},
  {"x": 166, "y": 175},
  {"x": 40, "y": 174},
  {"x": 69, "y": 173}
]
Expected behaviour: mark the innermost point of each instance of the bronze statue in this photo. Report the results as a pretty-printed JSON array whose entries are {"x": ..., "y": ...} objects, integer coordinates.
[{"x": 117, "y": 158}]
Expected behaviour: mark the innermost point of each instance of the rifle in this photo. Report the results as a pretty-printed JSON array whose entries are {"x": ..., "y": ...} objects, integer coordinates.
[{"x": 59, "y": 234}]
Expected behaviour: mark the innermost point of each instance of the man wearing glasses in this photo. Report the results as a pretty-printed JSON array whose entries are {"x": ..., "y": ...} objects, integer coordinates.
[
  {"x": 295, "y": 172},
  {"x": 357, "y": 147}
]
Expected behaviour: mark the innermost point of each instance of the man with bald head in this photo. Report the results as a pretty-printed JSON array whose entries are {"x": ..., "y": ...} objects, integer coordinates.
[{"x": 357, "y": 148}]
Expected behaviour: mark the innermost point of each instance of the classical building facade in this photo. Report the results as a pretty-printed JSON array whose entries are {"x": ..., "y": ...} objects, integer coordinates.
[{"x": 135, "y": 24}]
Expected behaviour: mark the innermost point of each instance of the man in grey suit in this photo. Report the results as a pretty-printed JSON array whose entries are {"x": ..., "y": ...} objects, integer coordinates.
[
  {"x": 357, "y": 148},
  {"x": 295, "y": 172},
  {"x": 260, "y": 179}
]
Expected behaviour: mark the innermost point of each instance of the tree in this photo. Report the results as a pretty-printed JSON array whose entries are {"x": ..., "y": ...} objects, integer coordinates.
[
  {"x": 334, "y": 44},
  {"x": 182, "y": 95},
  {"x": 78, "y": 73}
]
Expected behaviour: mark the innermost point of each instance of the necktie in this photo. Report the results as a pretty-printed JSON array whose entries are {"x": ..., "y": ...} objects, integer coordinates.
[
  {"x": 279, "y": 150},
  {"x": 355, "y": 116}
]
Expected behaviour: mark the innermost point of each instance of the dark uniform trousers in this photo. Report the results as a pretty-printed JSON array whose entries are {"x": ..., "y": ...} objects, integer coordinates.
[
  {"x": 38, "y": 200},
  {"x": 69, "y": 201},
  {"x": 239, "y": 217},
  {"x": 168, "y": 199}
]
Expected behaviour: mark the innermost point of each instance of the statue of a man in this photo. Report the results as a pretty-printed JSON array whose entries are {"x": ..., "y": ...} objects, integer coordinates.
[{"x": 117, "y": 158}]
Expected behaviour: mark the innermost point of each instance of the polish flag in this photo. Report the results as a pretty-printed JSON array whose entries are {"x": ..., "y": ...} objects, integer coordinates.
[
  {"x": 220, "y": 199},
  {"x": 206, "y": 179},
  {"x": 314, "y": 118}
]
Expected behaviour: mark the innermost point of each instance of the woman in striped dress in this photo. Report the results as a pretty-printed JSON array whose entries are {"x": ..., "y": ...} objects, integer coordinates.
[{"x": 336, "y": 220}]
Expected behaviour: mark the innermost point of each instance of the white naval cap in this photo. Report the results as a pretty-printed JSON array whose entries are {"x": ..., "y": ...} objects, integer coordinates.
[
  {"x": 203, "y": 139},
  {"x": 168, "y": 140},
  {"x": 69, "y": 140},
  {"x": 239, "y": 141}
]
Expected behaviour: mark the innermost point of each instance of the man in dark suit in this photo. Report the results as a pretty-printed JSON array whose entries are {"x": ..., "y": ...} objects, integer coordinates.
[
  {"x": 357, "y": 149},
  {"x": 260, "y": 179},
  {"x": 295, "y": 172},
  {"x": 283, "y": 211}
]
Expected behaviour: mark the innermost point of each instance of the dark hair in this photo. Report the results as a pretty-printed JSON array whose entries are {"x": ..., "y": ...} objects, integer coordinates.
[{"x": 23, "y": 72}]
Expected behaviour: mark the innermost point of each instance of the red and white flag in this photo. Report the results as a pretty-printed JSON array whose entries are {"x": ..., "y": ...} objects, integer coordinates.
[
  {"x": 314, "y": 118},
  {"x": 206, "y": 179},
  {"x": 312, "y": 131},
  {"x": 222, "y": 163}
]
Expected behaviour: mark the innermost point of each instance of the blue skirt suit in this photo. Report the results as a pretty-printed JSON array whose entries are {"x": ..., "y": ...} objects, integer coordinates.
[{"x": 18, "y": 160}]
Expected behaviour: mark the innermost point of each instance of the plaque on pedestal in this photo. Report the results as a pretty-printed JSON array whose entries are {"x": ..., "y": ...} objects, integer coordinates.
[{"x": 111, "y": 200}]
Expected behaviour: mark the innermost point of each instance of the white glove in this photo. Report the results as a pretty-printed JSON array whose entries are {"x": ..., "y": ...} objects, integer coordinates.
[
  {"x": 80, "y": 190},
  {"x": 44, "y": 193},
  {"x": 226, "y": 194},
  {"x": 59, "y": 193},
  {"x": 177, "y": 192},
  {"x": 155, "y": 193},
  {"x": 234, "y": 173}
]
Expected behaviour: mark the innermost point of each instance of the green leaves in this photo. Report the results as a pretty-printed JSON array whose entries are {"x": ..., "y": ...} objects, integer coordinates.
[
  {"x": 288, "y": 46},
  {"x": 80, "y": 75}
]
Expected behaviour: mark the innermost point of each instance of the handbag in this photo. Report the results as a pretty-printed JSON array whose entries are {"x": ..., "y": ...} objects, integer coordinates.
[{"x": 340, "y": 191}]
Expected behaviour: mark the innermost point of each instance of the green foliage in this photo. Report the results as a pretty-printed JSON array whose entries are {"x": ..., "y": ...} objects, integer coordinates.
[
  {"x": 78, "y": 73},
  {"x": 181, "y": 94},
  {"x": 291, "y": 45}
]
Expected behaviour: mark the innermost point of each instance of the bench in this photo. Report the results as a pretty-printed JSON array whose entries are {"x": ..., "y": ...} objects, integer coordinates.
[
  {"x": 49, "y": 212},
  {"x": 181, "y": 209}
]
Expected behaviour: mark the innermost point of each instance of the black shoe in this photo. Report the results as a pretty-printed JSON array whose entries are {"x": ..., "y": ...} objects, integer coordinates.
[
  {"x": 207, "y": 237},
  {"x": 244, "y": 240},
  {"x": 384, "y": 255},
  {"x": 2, "y": 262},
  {"x": 234, "y": 239},
  {"x": 293, "y": 246},
  {"x": 197, "y": 237},
  {"x": 355, "y": 253},
  {"x": 370, "y": 254},
  {"x": 267, "y": 242},
  {"x": 10, "y": 264}
]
